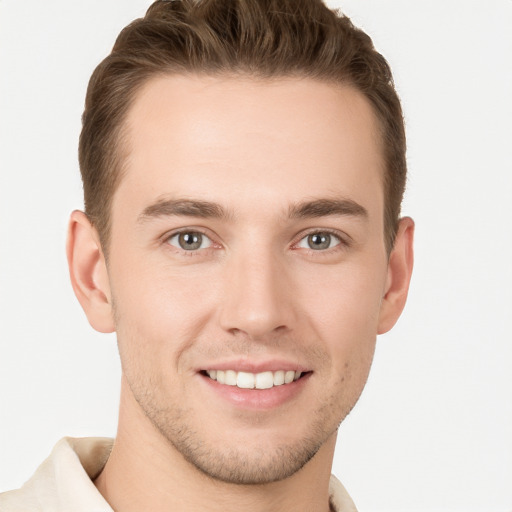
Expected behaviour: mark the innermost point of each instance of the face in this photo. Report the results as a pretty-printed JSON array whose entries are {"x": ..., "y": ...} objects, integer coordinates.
[{"x": 247, "y": 267}]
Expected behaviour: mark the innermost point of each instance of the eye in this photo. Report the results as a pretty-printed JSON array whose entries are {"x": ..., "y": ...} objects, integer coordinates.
[
  {"x": 319, "y": 241},
  {"x": 190, "y": 241}
]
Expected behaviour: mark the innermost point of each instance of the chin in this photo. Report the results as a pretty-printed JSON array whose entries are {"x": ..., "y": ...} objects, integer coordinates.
[
  {"x": 228, "y": 456},
  {"x": 247, "y": 465}
]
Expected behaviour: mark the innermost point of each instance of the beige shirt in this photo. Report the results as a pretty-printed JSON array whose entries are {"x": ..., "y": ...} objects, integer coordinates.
[{"x": 64, "y": 481}]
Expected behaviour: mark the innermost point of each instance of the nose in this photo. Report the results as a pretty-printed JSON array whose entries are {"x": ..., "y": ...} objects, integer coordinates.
[{"x": 257, "y": 296}]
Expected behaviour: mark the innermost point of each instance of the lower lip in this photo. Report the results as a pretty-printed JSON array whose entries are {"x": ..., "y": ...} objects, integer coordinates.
[{"x": 257, "y": 398}]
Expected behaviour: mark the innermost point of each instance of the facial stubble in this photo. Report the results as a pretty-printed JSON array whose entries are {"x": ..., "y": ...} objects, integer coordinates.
[
  {"x": 235, "y": 464},
  {"x": 230, "y": 463}
]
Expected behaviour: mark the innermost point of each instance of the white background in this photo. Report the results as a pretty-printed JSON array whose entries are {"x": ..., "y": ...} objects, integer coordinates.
[{"x": 433, "y": 429}]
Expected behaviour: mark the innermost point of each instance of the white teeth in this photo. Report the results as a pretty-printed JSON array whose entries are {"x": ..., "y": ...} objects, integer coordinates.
[
  {"x": 246, "y": 380},
  {"x": 289, "y": 376},
  {"x": 264, "y": 380},
  {"x": 230, "y": 378},
  {"x": 279, "y": 378}
]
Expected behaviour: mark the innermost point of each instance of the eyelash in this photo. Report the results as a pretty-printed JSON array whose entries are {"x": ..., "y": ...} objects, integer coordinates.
[
  {"x": 343, "y": 242},
  {"x": 191, "y": 253}
]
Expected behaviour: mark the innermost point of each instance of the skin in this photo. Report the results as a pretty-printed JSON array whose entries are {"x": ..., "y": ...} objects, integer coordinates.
[{"x": 255, "y": 291}]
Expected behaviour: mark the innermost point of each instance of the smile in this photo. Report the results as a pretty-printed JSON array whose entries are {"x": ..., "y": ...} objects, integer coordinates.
[{"x": 246, "y": 380}]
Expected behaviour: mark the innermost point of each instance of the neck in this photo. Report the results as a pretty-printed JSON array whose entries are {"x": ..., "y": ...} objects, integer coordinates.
[{"x": 145, "y": 472}]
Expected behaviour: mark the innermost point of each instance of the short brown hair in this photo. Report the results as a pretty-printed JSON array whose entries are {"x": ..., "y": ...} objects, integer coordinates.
[{"x": 260, "y": 38}]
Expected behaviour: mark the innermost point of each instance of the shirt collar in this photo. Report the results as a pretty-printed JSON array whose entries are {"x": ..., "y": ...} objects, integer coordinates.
[{"x": 64, "y": 481}]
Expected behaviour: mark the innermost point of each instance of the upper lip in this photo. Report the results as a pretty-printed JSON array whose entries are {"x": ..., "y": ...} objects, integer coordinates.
[{"x": 246, "y": 365}]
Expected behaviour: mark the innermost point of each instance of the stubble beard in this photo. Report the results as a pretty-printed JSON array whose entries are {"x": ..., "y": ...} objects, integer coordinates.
[
  {"x": 236, "y": 464},
  {"x": 232, "y": 464}
]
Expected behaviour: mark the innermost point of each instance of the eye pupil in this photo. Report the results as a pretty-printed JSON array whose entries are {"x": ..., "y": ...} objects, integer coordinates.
[
  {"x": 319, "y": 241},
  {"x": 190, "y": 241}
]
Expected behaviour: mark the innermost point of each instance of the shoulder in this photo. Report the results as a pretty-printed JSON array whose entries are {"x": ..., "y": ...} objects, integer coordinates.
[
  {"x": 64, "y": 480},
  {"x": 339, "y": 497}
]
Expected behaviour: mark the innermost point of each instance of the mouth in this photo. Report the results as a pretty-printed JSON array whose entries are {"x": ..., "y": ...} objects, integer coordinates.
[
  {"x": 255, "y": 386},
  {"x": 261, "y": 380}
]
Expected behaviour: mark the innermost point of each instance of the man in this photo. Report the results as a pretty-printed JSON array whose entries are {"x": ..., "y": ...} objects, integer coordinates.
[{"x": 243, "y": 166}]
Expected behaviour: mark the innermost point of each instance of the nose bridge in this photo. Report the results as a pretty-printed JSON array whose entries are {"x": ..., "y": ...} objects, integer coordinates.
[{"x": 256, "y": 295}]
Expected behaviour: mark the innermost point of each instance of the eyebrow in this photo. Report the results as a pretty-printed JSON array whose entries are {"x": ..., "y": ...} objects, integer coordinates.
[
  {"x": 183, "y": 207},
  {"x": 327, "y": 207},
  {"x": 207, "y": 209}
]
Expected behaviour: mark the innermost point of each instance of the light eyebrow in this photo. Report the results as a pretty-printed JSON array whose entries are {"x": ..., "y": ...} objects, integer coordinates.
[
  {"x": 183, "y": 207},
  {"x": 327, "y": 207}
]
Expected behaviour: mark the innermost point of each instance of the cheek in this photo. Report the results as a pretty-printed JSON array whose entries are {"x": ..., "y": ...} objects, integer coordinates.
[
  {"x": 344, "y": 302},
  {"x": 159, "y": 310},
  {"x": 342, "y": 306}
]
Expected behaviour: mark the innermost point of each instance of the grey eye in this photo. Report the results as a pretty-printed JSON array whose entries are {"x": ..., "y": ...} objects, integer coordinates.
[
  {"x": 190, "y": 241},
  {"x": 319, "y": 241}
]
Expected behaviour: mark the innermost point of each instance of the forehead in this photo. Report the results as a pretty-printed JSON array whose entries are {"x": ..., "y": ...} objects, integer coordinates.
[{"x": 242, "y": 141}]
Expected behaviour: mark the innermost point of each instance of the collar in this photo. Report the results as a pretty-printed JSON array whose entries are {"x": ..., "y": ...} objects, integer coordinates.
[{"x": 64, "y": 481}]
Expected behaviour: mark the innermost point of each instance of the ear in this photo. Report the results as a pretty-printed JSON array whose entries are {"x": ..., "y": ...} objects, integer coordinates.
[
  {"x": 88, "y": 272},
  {"x": 400, "y": 266}
]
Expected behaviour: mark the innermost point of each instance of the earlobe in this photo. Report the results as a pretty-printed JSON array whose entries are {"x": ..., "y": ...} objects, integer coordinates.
[
  {"x": 400, "y": 267},
  {"x": 88, "y": 272}
]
